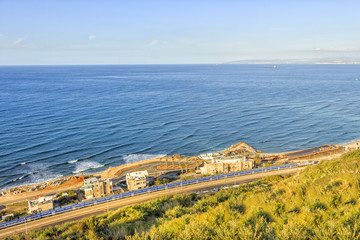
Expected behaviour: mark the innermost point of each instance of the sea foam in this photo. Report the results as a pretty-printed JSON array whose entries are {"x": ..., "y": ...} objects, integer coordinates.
[
  {"x": 87, "y": 165},
  {"x": 173, "y": 109},
  {"x": 73, "y": 161}
]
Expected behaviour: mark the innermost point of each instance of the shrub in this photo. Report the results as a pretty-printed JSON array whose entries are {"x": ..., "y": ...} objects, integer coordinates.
[
  {"x": 93, "y": 223},
  {"x": 317, "y": 206},
  {"x": 279, "y": 209},
  {"x": 336, "y": 200},
  {"x": 318, "y": 203},
  {"x": 259, "y": 215}
]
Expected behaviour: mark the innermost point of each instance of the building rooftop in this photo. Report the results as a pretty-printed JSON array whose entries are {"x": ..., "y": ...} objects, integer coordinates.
[
  {"x": 37, "y": 202},
  {"x": 89, "y": 181},
  {"x": 137, "y": 175},
  {"x": 94, "y": 180}
]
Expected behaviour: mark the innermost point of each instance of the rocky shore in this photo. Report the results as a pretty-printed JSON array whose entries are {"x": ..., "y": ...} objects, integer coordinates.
[{"x": 170, "y": 163}]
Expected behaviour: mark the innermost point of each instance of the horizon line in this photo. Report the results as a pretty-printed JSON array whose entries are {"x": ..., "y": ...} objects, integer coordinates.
[{"x": 226, "y": 63}]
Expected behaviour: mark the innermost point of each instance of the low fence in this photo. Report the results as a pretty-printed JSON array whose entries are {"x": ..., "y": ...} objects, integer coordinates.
[{"x": 139, "y": 192}]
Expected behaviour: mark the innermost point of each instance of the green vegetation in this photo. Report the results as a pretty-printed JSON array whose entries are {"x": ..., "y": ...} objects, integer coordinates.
[
  {"x": 185, "y": 178},
  {"x": 20, "y": 213},
  {"x": 69, "y": 193},
  {"x": 18, "y": 209},
  {"x": 321, "y": 202},
  {"x": 257, "y": 160},
  {"x": 160, "y": 181},
  {"x": 71, "y": 197},
  {"x": 17, "y": 214}
]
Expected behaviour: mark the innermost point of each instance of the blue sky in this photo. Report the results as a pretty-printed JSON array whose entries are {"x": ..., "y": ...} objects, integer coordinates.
[{"x": 153, "y": 32}]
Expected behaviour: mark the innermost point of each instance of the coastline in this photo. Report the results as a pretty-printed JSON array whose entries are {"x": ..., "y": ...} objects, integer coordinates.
[{"x": 75, "y": 181}]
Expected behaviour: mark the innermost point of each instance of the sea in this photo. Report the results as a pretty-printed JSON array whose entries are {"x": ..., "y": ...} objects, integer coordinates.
[{"x": 63, "y": 120}]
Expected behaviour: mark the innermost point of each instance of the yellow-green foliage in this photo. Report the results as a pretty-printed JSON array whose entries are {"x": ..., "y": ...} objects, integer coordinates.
[{"x": 321, "y": 202}]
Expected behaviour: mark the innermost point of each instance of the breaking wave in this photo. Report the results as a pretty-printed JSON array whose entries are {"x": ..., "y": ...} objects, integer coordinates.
[
  {"x": 87, "y": 165},
  {"x": 73, "y": 161}
]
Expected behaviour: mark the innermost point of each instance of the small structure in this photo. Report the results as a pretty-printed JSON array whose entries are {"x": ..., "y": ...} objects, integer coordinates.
[
  {"x": 207, "y": 156},
  {"x": 7, "y": 217},
  {"x": 118, "y": 189},
  {"x": 137, "y": 180},
  {"x": 95, "y": 187},
  {"x": 42, "y": 203},
  {"x": 226, "y": 165}
]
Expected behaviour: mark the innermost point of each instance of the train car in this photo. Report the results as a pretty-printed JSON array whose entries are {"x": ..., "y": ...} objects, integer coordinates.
[{"x": 142, "y": 191}]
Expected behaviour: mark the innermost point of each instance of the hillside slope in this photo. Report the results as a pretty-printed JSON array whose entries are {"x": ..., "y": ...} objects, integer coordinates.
[{"x": 321, "y": 202}]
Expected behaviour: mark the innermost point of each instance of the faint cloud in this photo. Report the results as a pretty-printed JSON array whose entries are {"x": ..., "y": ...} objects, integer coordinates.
[
  {"x": 19, "y": 40},
  {"x": 91, "y": 37},
  {"x": 154, "y": 42},
  {"x": 6, "y": 43},
  {"x": 338, "y": 49}
]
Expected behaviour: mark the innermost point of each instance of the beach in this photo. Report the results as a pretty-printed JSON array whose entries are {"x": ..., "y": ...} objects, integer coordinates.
[{"x": 156, "y": 167}]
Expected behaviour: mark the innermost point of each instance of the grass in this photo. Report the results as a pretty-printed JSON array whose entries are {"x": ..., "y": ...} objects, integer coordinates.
[{"x": 321, "y": 202}]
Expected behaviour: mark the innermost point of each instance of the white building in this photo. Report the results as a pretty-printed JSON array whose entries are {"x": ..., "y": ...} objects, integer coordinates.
[
  {"x": 226, "y": 165},
  {"x": 230, "y": 160},
  {"x": 42, "y": 203},
  {"x": 207, "y": 156},
  {"x": 95, "y": 187},
  {"x": 137, "y": 180}
]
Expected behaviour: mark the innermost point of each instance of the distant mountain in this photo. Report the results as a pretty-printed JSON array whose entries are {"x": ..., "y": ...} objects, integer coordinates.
[{"x": 298, "y": 61}]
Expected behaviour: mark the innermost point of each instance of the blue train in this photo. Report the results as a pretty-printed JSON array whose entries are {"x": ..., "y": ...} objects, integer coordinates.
[{"x": 139, "y": 192}]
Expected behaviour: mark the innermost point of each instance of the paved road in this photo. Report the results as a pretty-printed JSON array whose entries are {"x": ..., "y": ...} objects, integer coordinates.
[{"x": 113, "y": 205}]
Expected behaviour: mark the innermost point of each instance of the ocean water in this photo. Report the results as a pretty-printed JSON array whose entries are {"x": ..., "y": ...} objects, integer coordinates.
[{"x": 60, "y": 120}]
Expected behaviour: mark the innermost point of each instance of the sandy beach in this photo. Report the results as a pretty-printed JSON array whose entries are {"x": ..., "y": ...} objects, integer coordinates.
[{"x": 157, "y": 164}]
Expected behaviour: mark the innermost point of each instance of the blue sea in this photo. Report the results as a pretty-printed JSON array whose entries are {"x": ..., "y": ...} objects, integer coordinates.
[{"x": 62, "y": 120}]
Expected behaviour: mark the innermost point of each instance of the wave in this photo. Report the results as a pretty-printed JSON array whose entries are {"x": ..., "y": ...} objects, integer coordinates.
[
  {"x": 87, "y": 165},
  {"x": 140, "y": 157},
  {"x": 323, "y": 107},
  {"x": 198, "y": 116},
  {"x": 36, "y": 180},
  {"x": 38, "y": 173},
  {"x": 73, "y": 161},
  {"x": 114, "y": 77},
  {"x": 19, "y": 178},
  {"x": 24, "y": 149}
]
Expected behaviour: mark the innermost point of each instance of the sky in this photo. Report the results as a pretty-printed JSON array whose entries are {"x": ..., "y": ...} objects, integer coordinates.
[{"x": 43, "y": 32}]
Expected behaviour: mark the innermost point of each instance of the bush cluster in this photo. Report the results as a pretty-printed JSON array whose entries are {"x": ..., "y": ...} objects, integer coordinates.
[{"x": 321, "y": 202}]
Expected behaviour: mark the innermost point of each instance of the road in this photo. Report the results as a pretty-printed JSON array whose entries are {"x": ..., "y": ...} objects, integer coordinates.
[{"x": 113, "y": 205}]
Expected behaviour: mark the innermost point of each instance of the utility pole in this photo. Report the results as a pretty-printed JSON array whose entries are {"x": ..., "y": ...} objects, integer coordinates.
[
  {"x": 25, "y": 227},
  {"x": 107, "y": 206}
]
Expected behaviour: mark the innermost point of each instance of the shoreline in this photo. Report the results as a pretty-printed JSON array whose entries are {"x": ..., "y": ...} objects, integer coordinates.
[{"x": 70, "y": 182}]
